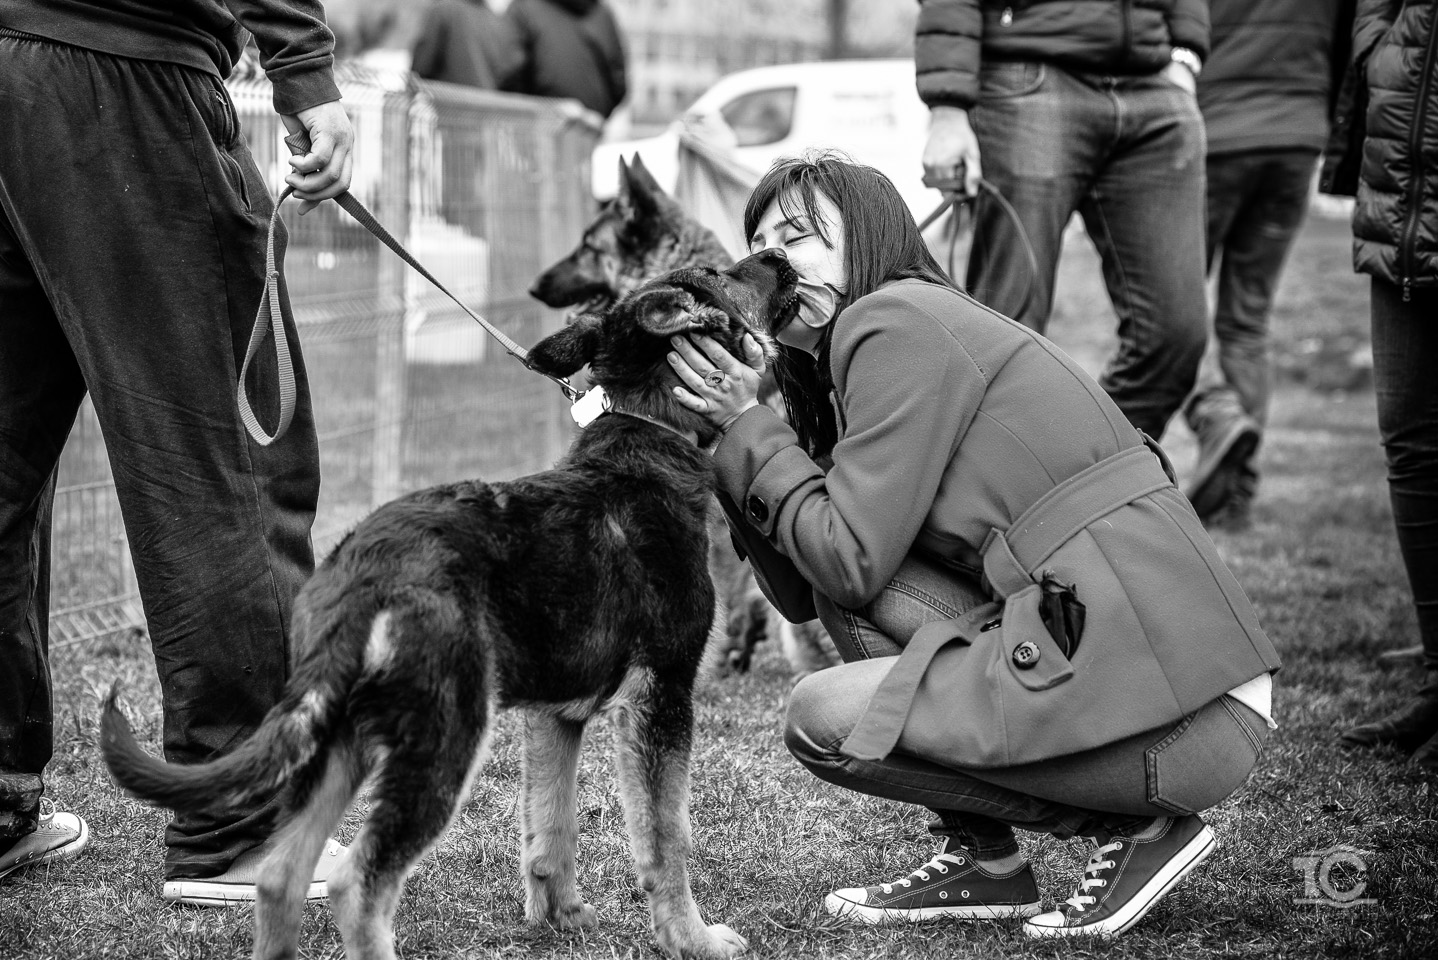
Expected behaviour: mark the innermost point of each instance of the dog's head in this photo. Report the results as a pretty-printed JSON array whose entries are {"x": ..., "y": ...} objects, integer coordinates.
[
  {"x": 619, "y": 239},
  {"x": 626, "y": 345}
]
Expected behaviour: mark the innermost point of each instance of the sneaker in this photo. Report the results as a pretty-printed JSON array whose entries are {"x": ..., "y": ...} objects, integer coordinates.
[
  {"x": 237, "y": 884},
  {"x": 1125, "y": 877},
  {"x": 1227, "y": 440},
  {"x": 59, "y": 836},
  {"x": 949, "y": 885}
]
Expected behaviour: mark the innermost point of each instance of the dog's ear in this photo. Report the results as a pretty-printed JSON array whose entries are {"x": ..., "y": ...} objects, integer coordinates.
[
  {"x": 638, "y": 189},
  {"x": 567, "y": 351},
  {"x": 663, "y": 312}
]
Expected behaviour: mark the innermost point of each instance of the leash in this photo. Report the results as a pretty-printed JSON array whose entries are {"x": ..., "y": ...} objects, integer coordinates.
[
  {"x": 956, "y": 199},
  {"x": 275, "y": 309}
]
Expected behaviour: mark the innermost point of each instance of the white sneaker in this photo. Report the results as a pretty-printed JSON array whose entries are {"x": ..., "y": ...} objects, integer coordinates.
[
  {"x": 59, "y": 836},
  {"x": 237, "y": 884}
]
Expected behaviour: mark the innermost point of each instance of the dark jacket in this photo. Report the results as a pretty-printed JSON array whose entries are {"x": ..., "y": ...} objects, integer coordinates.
[
  {"x": 954, "y": 37},
  {"x": 940, "y": 471},
  {"x": 1268, "y": 81},
  {"x": 296, "y": 47},
  {"x": 1389, "y": 125},
  {"x": 571, "y": 49},
  {"x": 463, "y": 41}
]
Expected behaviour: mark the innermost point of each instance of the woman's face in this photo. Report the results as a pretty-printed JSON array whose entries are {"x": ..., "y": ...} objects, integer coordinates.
[{"x": 784, "y": 226}]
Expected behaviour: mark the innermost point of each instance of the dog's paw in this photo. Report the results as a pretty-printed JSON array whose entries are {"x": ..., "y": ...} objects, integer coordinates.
[
  {"x": 580, "y": 916},
  {"x": 719, "y": 943}
]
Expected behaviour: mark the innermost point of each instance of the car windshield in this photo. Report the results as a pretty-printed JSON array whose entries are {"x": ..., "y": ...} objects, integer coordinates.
[{"x": 761, "y": 116}]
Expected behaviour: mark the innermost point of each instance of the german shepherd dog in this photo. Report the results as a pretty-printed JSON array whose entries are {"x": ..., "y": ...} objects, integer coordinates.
[
  {"x": 580, "y": 590},
  {"x": 641, "y": 234}
]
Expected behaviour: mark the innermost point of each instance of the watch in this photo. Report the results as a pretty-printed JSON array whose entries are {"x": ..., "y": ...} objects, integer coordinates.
[{"x": 1188, "y": 58}]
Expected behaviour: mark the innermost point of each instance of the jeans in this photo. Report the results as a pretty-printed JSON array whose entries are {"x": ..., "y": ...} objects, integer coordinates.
[
  {"x": 132, "y": 231},
  {"x": 1405, "y": 356},
  {"x": 1176, "y": 770},
  {"x": 1256, "y": 204},
  {"x": 1127, "y": 154}
]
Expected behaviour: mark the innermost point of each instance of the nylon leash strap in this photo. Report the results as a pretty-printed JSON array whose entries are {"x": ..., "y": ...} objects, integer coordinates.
[{"x": 274, "y": 309}]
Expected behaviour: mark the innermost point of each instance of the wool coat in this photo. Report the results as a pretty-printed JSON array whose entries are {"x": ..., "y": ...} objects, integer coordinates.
[{"x": 953, "y": 422}]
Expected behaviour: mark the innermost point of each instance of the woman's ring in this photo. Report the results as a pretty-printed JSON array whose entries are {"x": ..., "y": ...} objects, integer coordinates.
[{"x": 715, "y": 377}]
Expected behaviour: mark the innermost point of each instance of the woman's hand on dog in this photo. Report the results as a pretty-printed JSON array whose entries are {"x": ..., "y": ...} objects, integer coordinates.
[{"x": 721, "y": 403}]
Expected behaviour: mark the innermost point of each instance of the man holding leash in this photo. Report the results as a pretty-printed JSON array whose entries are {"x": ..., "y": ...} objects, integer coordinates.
[
  {"x": 1087, "y": 106},
  {"x": 132, "y": 236}
]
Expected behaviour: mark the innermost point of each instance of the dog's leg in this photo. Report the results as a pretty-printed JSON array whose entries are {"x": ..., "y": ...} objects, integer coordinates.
[
  {"x": 287, "y": 870},
  {"x": 548, "y": 822},
  {"x": 652, "y": 746},
  {"x": 423, "y": 782}
]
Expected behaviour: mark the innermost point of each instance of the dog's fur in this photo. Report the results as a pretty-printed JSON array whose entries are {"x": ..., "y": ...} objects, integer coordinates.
[
  {"x": 571, "y": 592},
  {"x": 640, "y": 234}
]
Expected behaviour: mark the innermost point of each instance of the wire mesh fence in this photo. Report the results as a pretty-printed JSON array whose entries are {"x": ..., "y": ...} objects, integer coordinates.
[{"x": 485, "y": 189}]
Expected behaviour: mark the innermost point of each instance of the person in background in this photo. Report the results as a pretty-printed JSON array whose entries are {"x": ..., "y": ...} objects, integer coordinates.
[
  {"x": 1385, "y": 148},
  {"x": 133, "y": 222},
  {"x": 465, "y": 42},
  {"x": 1088, "y": 106},
  {"x": 571, "y": 48},
  {"x": 1267, "y": 94}
]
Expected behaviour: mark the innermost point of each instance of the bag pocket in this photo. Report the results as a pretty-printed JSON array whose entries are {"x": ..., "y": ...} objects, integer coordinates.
[{"x": 1202, "y": 760}]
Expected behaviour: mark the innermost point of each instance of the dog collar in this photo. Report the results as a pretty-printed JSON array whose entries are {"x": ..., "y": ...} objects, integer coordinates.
[{"x": 688, "y": 437}]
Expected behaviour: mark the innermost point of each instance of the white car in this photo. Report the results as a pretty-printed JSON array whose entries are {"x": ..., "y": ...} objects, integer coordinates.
[{"x": 869, "y": 109}]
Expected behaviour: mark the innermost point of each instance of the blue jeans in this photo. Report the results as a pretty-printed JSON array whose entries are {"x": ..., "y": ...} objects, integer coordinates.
[
  {"x": 1405, "y": 358},
  {"x": 1176, "y": 770},
  {"x": 1127, "y": 154},
  {"x": 132, "y": 251}
]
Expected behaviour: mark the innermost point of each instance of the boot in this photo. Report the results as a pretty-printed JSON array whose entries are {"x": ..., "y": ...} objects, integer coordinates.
[
  {"x": 1227, "y": 440},
  {"x": 1411, "y": 726}
]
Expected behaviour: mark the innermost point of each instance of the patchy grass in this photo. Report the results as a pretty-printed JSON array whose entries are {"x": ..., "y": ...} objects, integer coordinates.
[{"x": 1320, "y": 563}]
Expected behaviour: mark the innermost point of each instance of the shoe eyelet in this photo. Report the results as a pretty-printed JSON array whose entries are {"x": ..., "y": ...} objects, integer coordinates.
[
  {"x": 943, "y": 894},
  {"x": 1118, "y": 845},
  {"x": 960, "y": 861},
  {"x": 942, "y": 869},
  {"x": 964, "y": 894}
]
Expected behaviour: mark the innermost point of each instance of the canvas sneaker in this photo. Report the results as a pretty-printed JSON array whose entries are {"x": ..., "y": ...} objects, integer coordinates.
[
  {"x": 237, "y": 884},
  {"x": 949, "y": 885},
  {"x": 1125, "y": 877},
  {"x": 58, "y": 836}
]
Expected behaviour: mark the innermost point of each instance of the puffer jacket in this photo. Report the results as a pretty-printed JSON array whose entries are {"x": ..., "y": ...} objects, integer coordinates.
[
  {"x": 954, "y": 37},
  {"x": 1395, "y": 219}
]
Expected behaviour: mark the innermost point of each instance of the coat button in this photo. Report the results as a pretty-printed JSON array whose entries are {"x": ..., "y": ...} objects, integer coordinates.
[
  {"x": 1026, "y": 655},
  {"x": 758, "y": 509}
]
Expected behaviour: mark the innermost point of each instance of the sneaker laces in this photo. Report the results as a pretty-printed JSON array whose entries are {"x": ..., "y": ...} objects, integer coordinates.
[
  {"x": 939, "y": 864},
  {"x": 1098, "y": 861},
  {"x": 47, "y": 811}
]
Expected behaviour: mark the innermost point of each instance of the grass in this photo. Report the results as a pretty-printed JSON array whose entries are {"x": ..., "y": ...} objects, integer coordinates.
[{"x": 1320, "y": 563}]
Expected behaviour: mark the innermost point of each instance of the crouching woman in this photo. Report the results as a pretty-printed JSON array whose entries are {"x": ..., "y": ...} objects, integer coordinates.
[{"x": 1038, "y": 634}]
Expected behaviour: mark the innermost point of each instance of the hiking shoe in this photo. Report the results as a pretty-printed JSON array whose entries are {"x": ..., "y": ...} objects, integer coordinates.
[
  {"x": 1124, "y": 878},
  {"x": 1227, "y": 440},
  {"x": 949, "y": 885},
  {"x": 237, "y": 884},
  {"x": 1406, "y": 728},
  {"x": 58, "y": 836}
]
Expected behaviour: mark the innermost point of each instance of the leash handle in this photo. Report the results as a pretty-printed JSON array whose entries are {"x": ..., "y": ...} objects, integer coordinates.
[{"x": 955, "y": 198}]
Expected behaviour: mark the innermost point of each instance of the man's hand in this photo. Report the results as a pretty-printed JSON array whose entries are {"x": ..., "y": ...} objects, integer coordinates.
[
  {"x": 324, "y": 172},
  {"x": 1180, "y": 76},
  {"x": 952, "y": 143}
]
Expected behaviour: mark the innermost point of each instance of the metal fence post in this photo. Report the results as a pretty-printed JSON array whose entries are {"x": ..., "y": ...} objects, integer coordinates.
[{"x": 397, "y": 286}]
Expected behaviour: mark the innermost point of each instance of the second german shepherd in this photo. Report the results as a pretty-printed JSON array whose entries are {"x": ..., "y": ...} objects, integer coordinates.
[
  {"x": 641, "y": 234},
  {"x": 567, "y": 593}
]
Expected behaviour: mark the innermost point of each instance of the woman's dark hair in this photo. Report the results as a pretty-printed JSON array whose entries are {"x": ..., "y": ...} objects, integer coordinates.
[{"x": 883, "y": 245}]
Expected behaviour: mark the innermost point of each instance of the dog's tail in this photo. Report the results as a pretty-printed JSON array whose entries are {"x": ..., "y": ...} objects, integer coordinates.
[{"x": 292, "y": 737}]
